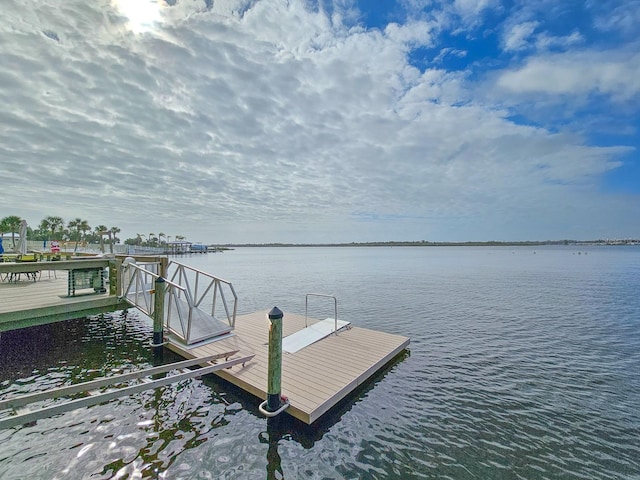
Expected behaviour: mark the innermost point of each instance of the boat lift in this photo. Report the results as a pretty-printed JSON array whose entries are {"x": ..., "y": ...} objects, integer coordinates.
[{"x": 94, "y": 394}]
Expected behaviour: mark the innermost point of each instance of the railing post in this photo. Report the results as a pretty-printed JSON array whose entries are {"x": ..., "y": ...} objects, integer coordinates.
[
  {"x": 125, "y": 281},
  {"x": 163, "y": 270},
  {"x": 274, "y": 374},
  {"x": 158, "y": 313}
]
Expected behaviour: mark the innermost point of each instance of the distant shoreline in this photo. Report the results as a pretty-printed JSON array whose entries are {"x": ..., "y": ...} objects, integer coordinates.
[{"x": 439, "y": 244}]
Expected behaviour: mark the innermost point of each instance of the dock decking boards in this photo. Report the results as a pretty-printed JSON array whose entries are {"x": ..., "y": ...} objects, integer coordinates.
[
  {"x": 27, "y": 303},
  {"x": 316, "y": 377}
]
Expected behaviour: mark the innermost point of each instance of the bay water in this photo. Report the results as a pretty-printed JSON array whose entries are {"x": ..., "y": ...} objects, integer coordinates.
[{"x": 524, "y": 363}]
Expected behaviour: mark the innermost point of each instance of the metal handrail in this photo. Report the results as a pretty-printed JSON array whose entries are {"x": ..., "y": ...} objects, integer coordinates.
[
  {"x": 335, "y": 306},
  {"x": 185, "y": 285},
  {"x": 202, "y": 286},
  {"x": 143, "y": 283}
]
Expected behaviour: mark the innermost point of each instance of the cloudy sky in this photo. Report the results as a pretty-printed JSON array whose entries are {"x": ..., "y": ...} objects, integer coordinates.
[{"x": 324, "y": 121}]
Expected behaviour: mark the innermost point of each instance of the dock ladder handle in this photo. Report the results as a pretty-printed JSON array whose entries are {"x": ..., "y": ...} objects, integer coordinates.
[{"x": 335, "y": 308}]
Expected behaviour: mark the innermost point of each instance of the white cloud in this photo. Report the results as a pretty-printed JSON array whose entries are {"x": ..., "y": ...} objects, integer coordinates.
[
  {"x": 614, "y": 74},
  {"x": 615, "y": 16},
  {"x": 544, "y": 41},
  {"x": 471, "y": 9},
  {"x": 278, "y": 118},
  {"x": 518, "y": 36},
  {"x": 414, "y": 33},
  {"x": 523, "y": 36},
  {"x": 445, "y": 52}
]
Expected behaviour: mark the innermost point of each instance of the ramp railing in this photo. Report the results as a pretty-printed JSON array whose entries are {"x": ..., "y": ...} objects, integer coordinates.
[
  {"x": 192, "y": 299},
  {"x": 138, "y": 286},
  {"x": 208, "y": 292}
]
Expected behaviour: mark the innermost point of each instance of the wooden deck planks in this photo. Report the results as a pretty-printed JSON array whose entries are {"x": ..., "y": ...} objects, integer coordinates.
[
  {"x": 28, "y": 303},
  {"x": 29, "y": 294},
  {"x": 315, "y": 378}
]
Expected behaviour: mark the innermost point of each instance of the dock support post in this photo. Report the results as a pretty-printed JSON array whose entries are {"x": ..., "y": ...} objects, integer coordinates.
[
  {"x": 274, "y": 374},
  {"x": 158, "y": 313},
  {"x": 114, "y": 277}
]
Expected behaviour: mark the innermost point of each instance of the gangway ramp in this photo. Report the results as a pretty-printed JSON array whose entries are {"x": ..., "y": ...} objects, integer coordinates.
[
  {"x": 203, "y": 325},
  {"x": 191, "y": 299}
]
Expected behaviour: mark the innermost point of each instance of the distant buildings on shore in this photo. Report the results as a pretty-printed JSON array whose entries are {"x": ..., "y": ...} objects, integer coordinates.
[
  {"x": 425, "y": 243},
  {"x": 615, "y": 241}
]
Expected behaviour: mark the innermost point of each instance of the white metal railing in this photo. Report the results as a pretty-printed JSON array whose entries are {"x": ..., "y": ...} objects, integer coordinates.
[
  {"x": 138, "y": 285},
  {"x": 206, "y": 293},
  {"x": 192, "y": 298}
]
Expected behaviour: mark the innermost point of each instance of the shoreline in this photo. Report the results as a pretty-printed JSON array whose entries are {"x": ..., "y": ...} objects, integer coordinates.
[{"x": 436, "y": 244}]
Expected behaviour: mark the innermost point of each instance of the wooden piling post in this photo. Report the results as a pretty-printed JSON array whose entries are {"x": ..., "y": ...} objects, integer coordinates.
[
  {"x": 158, "y": 313},
  {"x": 274, "y": 375},
  {"x": 164, "y": 267},
  {"x": 114, "y": 276}
]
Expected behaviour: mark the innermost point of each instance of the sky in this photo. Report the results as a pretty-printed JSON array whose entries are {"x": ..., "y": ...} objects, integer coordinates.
[{"x": 319, "y": 121}]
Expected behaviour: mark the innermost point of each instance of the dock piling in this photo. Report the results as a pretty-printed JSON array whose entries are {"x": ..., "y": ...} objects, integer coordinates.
[
  {"x": 158, "y": 313},
  {"x": 274, "y": 375}
]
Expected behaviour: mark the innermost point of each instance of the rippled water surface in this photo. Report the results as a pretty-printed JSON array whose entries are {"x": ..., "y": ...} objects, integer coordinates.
[{"x": 523, "y": 363}]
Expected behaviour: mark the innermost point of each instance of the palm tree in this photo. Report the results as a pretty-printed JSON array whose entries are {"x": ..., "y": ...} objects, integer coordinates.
[
  {"x": 11, "y": 223},
  {"x": 114, "y": 231},
  {"x": 44, "y": 227},
  {"x": 81, "y": 226},
  {"x": 101, "y": 231},
  {"x": 84, "y": 228},
  {"x": 55, "y": 223},
  {"x": 139, "y": 238},
  {"x": 150, "y": 238},
  {"x": 160, "y": 236}
]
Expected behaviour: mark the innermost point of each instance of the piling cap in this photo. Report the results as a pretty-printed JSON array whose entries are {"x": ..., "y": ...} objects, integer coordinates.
[{"x": 275, "y": 313}]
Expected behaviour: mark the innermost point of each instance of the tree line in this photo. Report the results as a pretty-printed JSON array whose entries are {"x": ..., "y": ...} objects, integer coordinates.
[
  {"x": 79, "y": 230},
  {"x": 55, "y": 228}
]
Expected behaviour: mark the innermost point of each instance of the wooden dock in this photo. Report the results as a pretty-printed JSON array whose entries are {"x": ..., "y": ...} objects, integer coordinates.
[
  {"x": 26, "y": 303},
  {"x": 315, "y": 378}
]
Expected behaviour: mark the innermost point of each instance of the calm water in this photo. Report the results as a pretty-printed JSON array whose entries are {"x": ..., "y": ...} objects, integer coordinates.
[{"x": 524, "y": 363}]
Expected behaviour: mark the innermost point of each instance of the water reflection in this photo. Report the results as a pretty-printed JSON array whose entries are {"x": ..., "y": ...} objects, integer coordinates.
[
  {"x": 271, "y": 437},
  {"x": 170, "y": 423},
  {"x": 521, "y": 366}
]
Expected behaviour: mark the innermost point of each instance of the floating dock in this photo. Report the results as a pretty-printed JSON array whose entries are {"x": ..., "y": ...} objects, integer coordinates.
[
  {"x": 314, "y": 378},
  {"x": 318, "y": 369}
]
